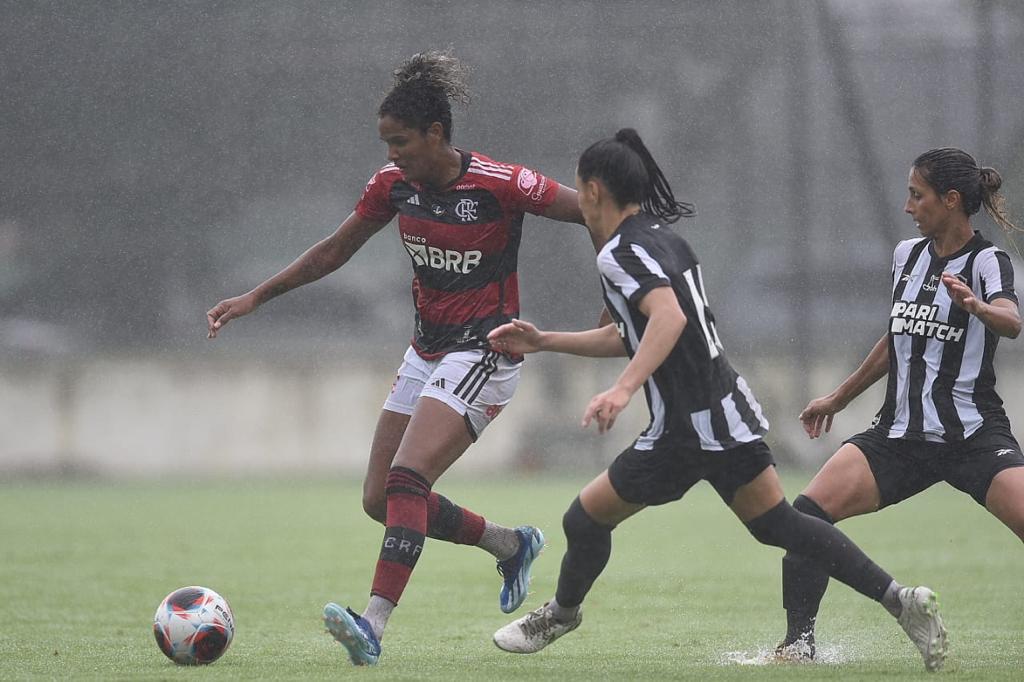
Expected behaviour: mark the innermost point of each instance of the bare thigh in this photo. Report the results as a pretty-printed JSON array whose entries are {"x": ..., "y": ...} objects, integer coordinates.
[
  {"x": 434, "y": 439},
  {"x": 1005, "y": 499},
  {"x": 845, "y": 486},
  {"x": 758, "y": 496},
  {"x": 386, "y": 439},
  {"x": 603, "y": 504}
]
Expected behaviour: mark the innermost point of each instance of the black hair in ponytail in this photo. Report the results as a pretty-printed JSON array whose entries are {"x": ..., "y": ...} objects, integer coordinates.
[{"x": 627, "y": 168}]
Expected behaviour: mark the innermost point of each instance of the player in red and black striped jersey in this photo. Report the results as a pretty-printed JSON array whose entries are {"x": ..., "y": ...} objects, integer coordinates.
[
  {"x": 460, "y": 217},
  {"x": 463, "y": 239},
  {"x": 952, "y": 300}
]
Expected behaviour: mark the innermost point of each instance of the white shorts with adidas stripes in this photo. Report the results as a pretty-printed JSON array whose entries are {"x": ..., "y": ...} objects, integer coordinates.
[{"x": 475, "y": 383}]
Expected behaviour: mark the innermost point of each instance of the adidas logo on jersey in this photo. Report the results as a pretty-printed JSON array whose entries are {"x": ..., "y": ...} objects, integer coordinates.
[
  {"x": 438, "y": 383},
  {"x": 414, "y": 200},
  {"x": 442, "y": 259}
]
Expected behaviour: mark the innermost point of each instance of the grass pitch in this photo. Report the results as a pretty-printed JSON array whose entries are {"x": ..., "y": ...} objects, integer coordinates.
[{"x": 687, "y": 592}]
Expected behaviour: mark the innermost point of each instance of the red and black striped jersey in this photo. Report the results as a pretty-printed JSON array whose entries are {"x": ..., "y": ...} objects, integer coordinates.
[{"x": 463, "y": 240}]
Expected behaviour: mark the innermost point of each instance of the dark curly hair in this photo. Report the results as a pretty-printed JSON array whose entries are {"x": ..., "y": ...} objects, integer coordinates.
[{"x": 425, "y": 86}]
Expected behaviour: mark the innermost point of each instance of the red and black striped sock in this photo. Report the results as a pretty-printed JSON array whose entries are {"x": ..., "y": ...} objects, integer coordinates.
[
  {"x": 407, "y": 493},
  {"x": 449, "y": 522}
]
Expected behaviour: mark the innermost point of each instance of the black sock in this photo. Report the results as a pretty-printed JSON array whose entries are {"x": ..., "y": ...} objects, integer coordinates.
[
  {"x": 803, "y": 583},
  {"x": 589, "y": 544},
  {"x": 822, "y": 543}
]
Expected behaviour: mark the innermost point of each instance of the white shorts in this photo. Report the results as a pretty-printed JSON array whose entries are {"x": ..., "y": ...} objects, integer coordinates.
[{"x": 475, "y": 383}]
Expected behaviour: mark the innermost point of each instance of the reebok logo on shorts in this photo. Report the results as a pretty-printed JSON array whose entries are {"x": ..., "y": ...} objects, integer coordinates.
[{"x": 1005, "y": 451}]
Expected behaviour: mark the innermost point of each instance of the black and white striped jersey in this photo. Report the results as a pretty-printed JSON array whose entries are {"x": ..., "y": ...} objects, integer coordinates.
[
  {"x": 941, "y": 383},
  {"x": 695, "y": 398}
]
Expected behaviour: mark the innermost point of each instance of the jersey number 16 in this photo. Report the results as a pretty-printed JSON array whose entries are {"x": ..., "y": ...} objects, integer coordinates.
[{"x": 703, "y": 311}]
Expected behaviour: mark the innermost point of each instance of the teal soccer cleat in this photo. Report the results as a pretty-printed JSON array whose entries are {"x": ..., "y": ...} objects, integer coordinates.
[{"x": 353, "y": 633}]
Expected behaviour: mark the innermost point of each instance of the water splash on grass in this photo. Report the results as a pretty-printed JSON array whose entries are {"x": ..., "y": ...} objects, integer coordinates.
[{"x": 831, "y": 654}]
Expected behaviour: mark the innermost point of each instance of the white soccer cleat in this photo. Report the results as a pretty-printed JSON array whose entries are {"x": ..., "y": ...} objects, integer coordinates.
[
  {"x": 921, "y": 621},
  {"x": 534, "y": 631}
]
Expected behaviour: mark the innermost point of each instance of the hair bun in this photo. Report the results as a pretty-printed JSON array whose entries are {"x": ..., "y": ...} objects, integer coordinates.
[
  {"x": 991, "y": 181},
  {"x": 627, "y": 136}
]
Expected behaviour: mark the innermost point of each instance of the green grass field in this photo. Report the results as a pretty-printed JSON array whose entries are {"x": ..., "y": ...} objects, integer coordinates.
[{"x": 687, "y": 592}]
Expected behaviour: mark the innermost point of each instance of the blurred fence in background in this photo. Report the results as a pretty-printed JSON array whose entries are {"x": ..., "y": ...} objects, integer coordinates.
[
  {"x": 156, "y": 417},
  {"x": 158, "y": 157}
]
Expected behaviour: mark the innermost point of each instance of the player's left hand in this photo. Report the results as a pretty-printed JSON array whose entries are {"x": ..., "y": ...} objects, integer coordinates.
[
  {"x": 960, "y": 293},
  {"x": 518, "y": 337},
  {"x": 605, "y": 407}
]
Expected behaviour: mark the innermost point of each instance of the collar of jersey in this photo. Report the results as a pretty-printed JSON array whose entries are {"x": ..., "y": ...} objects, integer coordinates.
[
  {"x": 966, "y": 248},
  {"x": 466, "y": 158}
]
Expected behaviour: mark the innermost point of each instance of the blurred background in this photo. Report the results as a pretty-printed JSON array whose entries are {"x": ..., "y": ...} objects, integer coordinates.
[{"x": 157, "y": 157}]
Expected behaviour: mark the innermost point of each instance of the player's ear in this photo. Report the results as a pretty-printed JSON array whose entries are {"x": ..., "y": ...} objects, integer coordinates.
[
  {"x": 952, "y": 199},
  {"x": 435, "y": 133},
  {"x": 588, "y": 189}
]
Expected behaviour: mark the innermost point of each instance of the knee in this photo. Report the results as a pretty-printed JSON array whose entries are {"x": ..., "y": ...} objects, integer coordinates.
[
  {"x": 806, "y": 505},
  {"x": 375, "y": 505},
  {"x": 374, "y": 500},
  {"x": 775, "y": 526},
  {"x": 580, "y": 527}
]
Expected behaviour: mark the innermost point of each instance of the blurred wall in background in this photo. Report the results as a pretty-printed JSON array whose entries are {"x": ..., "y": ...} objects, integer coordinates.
[{"x": 158, "y": 157}]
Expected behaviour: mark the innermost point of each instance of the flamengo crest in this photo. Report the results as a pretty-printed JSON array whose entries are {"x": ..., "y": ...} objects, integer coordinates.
[{"x": 465, "y": 210}]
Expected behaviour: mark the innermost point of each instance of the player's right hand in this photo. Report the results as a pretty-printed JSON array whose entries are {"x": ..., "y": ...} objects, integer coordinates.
[
  {"x": 818, "y": 414},
  {"x": 516, "y": 337},
  {"x": 605, "y": 407},
  {"x": 227, "y": 310}
]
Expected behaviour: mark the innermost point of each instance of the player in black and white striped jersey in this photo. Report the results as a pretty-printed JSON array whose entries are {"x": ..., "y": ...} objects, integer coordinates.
[
  {"x": 942, "y": 419},
  {"x": 695, "y": 397},
  {"x": 705, "y": 422},
  {"x": 940, "y": 355}
]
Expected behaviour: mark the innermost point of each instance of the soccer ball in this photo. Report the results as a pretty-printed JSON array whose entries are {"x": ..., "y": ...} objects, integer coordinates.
[{"x": 193, "y": 626}]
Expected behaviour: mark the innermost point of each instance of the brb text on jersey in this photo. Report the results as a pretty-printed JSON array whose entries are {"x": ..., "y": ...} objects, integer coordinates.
[{"x": 463, "y": 241}]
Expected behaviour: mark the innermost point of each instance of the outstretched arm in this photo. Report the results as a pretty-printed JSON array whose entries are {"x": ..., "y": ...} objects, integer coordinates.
[
  {"x": 565, "y": 207},
  {"x": 519, "y": 338},
  {"x": 319, "y": 260},
  {"x": 820, "y": 411}
]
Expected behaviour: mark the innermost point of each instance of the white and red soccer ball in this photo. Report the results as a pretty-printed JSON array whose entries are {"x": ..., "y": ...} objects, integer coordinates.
[{"x": 193, "y": 626}]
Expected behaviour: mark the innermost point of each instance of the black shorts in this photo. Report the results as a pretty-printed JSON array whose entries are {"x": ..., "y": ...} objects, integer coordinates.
[
  {"x": 664, "y": 475},
  {"x": 903, "y": 468}
]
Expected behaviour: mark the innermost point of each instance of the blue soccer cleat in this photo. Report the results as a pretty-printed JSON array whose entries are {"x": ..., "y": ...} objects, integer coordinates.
[
  {"x": 516, "y": 569},
  {"x": 352, "y": 632}
]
